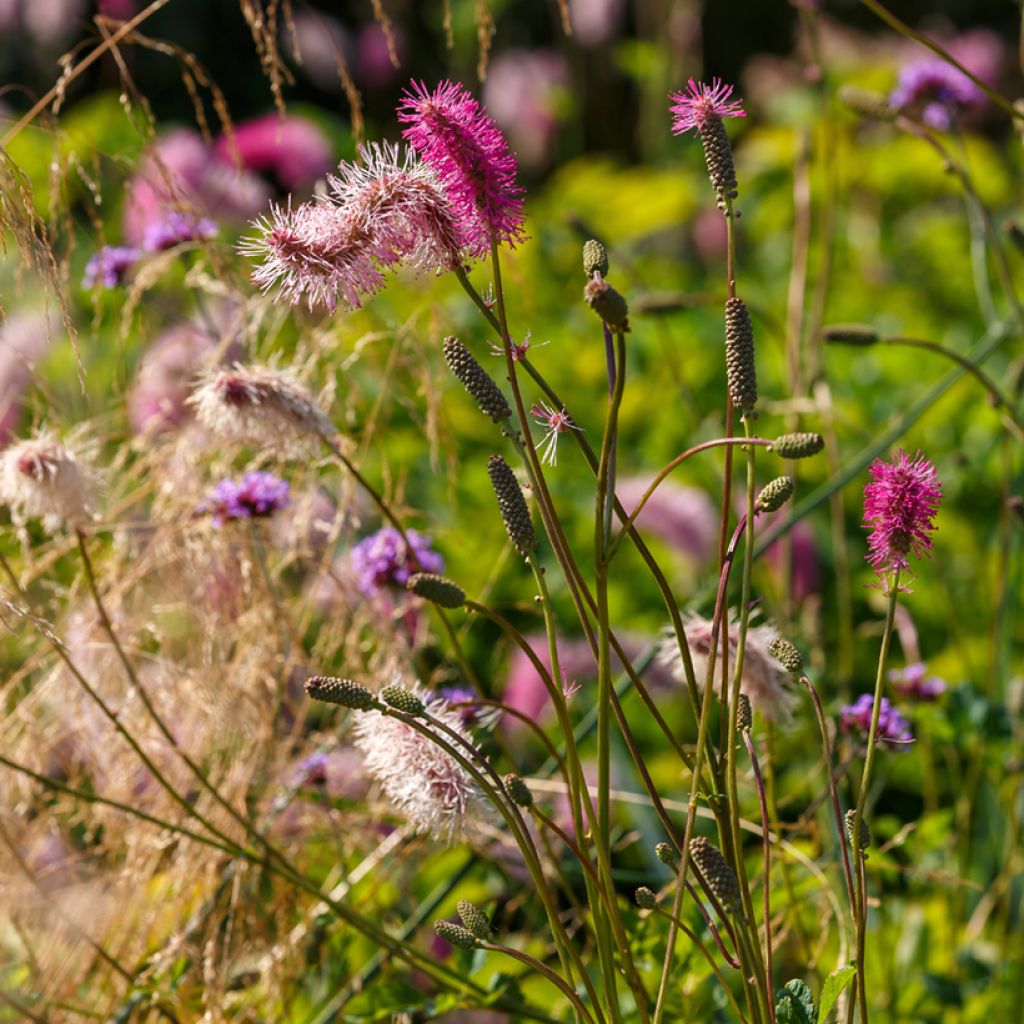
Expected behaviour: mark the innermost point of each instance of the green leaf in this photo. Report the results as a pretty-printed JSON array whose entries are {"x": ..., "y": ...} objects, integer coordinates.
[
  {"x": 834, "y": 984},
  {"x": 794, "y": 1004}
]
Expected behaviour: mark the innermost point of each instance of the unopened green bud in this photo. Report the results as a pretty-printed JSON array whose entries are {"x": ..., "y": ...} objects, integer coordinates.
[
  {"x": 402, "y": 700},
  {"x": 607, "y": 303},
  {"x": 850, "y": 334},
  {"x": 744, "y": 715},
  {"x": 666, "y": 853},
  {"x": 595, "y": 258},
  {"x": 864, "y": 832},
  {"x": 774, "y": 495},
  {"x": 455, "y": 935},
  {"x": 474, "y": 919},
  {"x": 438, "y": 589},
  {"x": 786, "y": 654},
  {"x": 518, "y": 791},
  {"x": 645, "y": 898},
  {"x": 340, "y": 691},
  {"x": 801, "y": 445}
]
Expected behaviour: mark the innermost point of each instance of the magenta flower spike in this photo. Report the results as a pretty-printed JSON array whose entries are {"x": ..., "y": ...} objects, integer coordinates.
[
  {"x": 900, "y": 503},
  {"x": 457, "y": 139},
  {"x": 699, "y": 102}
]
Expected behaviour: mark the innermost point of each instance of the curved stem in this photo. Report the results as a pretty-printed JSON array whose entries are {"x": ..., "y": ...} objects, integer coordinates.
[{"x": 542, "y": 968}]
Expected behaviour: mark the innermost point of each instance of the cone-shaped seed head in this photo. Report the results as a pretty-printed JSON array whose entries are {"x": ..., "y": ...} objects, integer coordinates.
[
  {"x": 774, "y": 495},
  {"x": 645, "y": 898},
  {"x": 744, "y": 716},
  {"x": 719, "y": 876},
  {"x": 865, "y": 832},
  {"x": 739, "y": 355},
  {"x": 438, "y": 589},
  {"x": 607, "y": 303},
  {"x": 798, "y": 446},
  {"x": 512, "y": 505},
  {"x": 786, "y": 654},
  {"x": 850, "y": 334},
  {"x": 518, "y": 791},
  {"x": 595, "y": 258},
  {"x": 666, "y": 853},
  {"x": 340, "y": 691},
  {"x": 718, "y": 154},
  {"x": 454, "y": 934},
  {"x": 474, "y": 919},
  {"x": 865, "y": 103},
  {"x": 402, "y": 700},
  {"x": 475, "y": 379}
]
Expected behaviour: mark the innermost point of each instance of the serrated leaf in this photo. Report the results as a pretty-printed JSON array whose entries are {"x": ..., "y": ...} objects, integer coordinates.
[
  {"x": 834, "y": 985},
  {"x": 794, "y": 1004}
]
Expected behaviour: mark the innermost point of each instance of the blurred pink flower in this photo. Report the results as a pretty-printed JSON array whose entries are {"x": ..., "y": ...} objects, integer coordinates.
[
  {"x": 806, "y": 565},
  {"x": 684, "y": 517},
  {"x": 320, "y": 39},
  {"x": 121, "y": 9},
  {"x": 373, "y": 57},
  {"x": 292, "y": 149},
  {"x": 181, "y": 173},
  {"x": 23, "y": 339},
  {"x": 521, "y": 93},
  {"x": 595, "y": 21},
  {"x": 708, "y": 234}
]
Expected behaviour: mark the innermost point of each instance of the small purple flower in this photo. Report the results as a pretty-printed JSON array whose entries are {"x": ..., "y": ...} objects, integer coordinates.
[
  {"x": 893, "y": 728},
  {"x": 900, "y": 503},
  {"x": 109, "y": 266},
  {"x": 938, "y": 89},
  {"x": 311, "y": 771},
  {"x": 701, "y": 102},
  {"x": 915, "y": 683},
  {"x": 382, "y": 559},
  {"x": 177, "y": 227},
  {"x": 256, "y": 496}
]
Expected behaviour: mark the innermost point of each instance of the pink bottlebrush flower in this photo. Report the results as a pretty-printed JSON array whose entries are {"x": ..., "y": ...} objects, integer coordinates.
[
  {"x": 291, "y": 149},
  {"x": 557, "y": 423},
  {"x": 455, "y": 137},
  {"x": 900, "y": 503},
  {"x": 694, "y": 107}
]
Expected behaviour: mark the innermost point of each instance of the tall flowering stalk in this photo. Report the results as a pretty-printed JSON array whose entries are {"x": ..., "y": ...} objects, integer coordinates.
[{"x": 900, "y": 503}]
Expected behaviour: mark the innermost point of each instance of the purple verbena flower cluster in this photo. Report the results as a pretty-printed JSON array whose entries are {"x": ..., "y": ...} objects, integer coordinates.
[
  {"x": 175, "y": 228},
  {"x": 938, "y": 90},
  {"x": 383, "y": 559},
  {"x": 893, "y": 728},
  {"x": 109, "y": 266},
  {"x": 914, "y": 682},
  {"x": 256, "y": 496}
]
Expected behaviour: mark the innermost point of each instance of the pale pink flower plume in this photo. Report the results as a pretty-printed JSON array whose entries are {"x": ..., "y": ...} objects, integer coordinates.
[{"x": 41, "y": 478}]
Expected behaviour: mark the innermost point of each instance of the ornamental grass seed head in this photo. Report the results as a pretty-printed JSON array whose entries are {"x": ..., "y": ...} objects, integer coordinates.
[
  {"x": 476, "y": 169},
  {"x": 900, "y": 504},
  {"x": 425, "y": 783},
  {"x": 42, "y": 478}
]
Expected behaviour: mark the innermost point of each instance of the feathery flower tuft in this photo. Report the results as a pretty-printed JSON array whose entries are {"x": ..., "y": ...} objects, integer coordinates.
[
  {"x": 900, "y": 503},
  {"x": 109, "y": 266},
  {"x": 557, "y": 423},
  {"x": 424, "y": 782},
  {"x": 893, "y": 728},
  {"x": 257, "y": 495},
  {"x": 458, "y": 140},
  {"x": 260, "y": 405},
  {"x": 383, "y": 559},
  {"x": 764, "y": 680},
  {"x": 41, "y": 478},
  {"x": 702, "y": 107}
]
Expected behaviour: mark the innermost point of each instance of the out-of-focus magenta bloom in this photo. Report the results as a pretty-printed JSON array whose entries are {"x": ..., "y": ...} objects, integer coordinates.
[
  {"x": 109, "y": 266},
  {"x": 256, "y": 496},
  {"x": 522, "y": 94},
  {"x": 174, "y": 228},
  {"x": 163, "y": 381},
  {"x": 914, "y": 682},
  {"x": 893, "y": 728},
  {"x": 692, "y": 108},
  {"x": 373, "y": 55},
  {"x": 382, "y": 559},
  {"x": 805, "y": 569},
  {"x": 23, "y": 340},
  {"x": 900, "y": 503},
  {"x": 936, "y": 89},
  {"x": 595, "y": 21},
  {"x": 182, "y": 173},
  {"x": 684, "y": 517},
  {"x": 121, "y": 9},
  {"x": 462, "y": 145},
  {"x": 292, "y": 149}
]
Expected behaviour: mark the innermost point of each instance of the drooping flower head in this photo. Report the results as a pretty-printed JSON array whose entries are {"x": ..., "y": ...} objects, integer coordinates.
[
  {"x": 764, "y": 680},
  {"x": 893, "y": 728},
  {"x": 259, "y": 405},
  {"x": 938, "y": 90},
  {"x": 109, "y": 266},
  {"x": 900, "y": 503},
  {"x": 702, "y": 107},
  {"x": 383, "y": 559},
  {"x": 424, "y": 782},
  {"x": 42, "y": 478},
  {"x": 257, "y": 495},
  {"x": 458, "y": 140}
]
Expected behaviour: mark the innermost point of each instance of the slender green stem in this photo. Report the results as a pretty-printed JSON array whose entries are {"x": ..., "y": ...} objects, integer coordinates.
[
  {"x": 543, "y": 969},
  {"x": 862, "y": 797}
]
